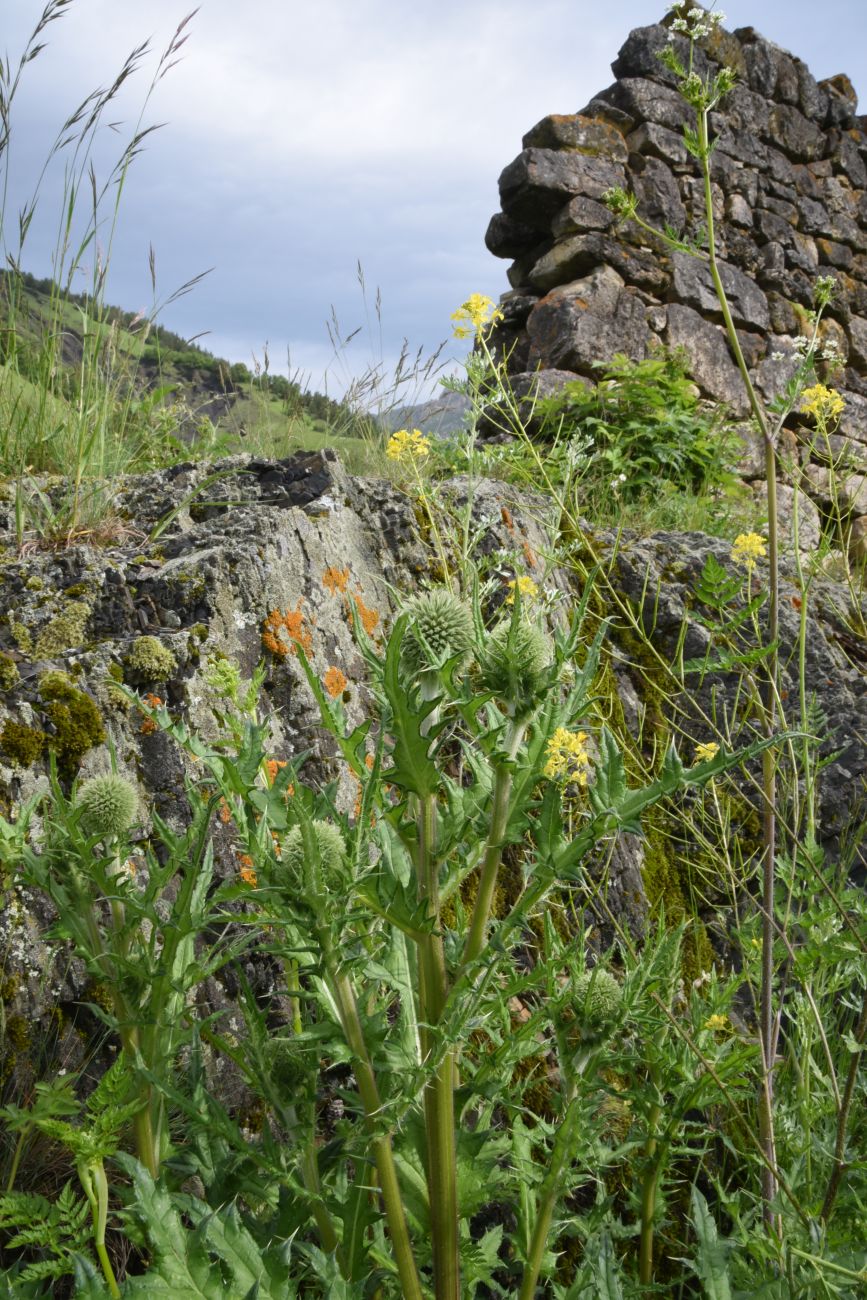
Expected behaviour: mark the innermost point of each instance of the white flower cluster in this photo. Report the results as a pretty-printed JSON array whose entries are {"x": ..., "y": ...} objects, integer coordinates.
[{"x": 697, "y": 24}]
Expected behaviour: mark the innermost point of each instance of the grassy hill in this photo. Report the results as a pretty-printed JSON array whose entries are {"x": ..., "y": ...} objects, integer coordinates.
[{"x": 84, "y": 381}]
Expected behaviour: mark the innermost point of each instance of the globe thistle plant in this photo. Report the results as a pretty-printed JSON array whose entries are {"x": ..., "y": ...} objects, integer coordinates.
[
  {"x": 108, "y": 804},
  {"x": 440, "y": 628},
  {"x": 597, "y": 1002},
  {"x": 330, "y": 850},
  {"x": 515, "y": 663}
]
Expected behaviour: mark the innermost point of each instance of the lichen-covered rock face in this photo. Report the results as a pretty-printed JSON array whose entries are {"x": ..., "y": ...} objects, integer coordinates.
[
  {"x": 789, "y": 173},
  {"x": 273, "y": 550}
]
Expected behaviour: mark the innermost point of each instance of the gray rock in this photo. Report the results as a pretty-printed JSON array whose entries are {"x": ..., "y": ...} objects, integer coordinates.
[
  {"x": 575, "y": 256},
  {"x": 659, "y": 142},
  {"x": 581, "y": 214},
  {"x": 587, "y": 321},
  {"x": 789, "y": 130},
  {"x": 857, "y": 331},
  {"x": 648, "y": 101},
  {"x": 577, "y": 134},
  {"x": 693, "y": 286},
  {"x": 711, "y": 365},
  {"x": 540, "y": 182},
  {"x": 506, "y": 237},
  {"x": 659, "y": 196}
]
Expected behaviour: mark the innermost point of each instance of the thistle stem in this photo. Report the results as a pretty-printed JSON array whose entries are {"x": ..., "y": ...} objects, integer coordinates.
[
  {"x": 439, "y": 1093},
  {"x": 380, "y": 1144},
  {"x": 494, "y": 847}
]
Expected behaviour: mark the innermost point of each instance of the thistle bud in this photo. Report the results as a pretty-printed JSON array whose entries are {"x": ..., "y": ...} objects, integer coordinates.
[
  {"x": 330, "y": 848},
  {"x": 108, "y": 805},
  {"x": 597, "y": 1002},
  {"x": 515, "y": 663},
  {"x": 440, "y": 627}
]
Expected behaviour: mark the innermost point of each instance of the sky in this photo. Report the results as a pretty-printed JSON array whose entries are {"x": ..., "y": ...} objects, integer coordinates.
[{"x": 301, "y": 140}]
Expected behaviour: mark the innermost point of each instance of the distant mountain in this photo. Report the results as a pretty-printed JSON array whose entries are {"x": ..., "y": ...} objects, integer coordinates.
[{"x": 440, "y": 415}]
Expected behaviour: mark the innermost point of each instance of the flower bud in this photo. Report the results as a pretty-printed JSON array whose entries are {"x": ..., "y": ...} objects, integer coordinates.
[
  {"x": 330, "y": 848},
  {"x": 108, "y": 804},
  {"x": 440, "y": 627},
  {"x": 598, "y": 1000},
  {"x": 515, "y": 663}
]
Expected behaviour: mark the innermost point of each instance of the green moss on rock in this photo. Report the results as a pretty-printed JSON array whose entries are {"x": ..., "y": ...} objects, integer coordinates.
[
  {"x": 76, "y": 720},
  {"x": 21, "y": 744},
  {"x": 63, "y": 632},
  {"x": 8, "y": 672},
  {"x": 149, "y": 659}
]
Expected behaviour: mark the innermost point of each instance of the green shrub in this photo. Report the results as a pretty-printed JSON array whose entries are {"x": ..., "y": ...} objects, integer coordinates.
[{"x": 647, "y": 425}]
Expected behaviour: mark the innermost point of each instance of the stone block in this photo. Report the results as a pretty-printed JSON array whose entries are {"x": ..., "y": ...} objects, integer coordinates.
[
  {"x": 649, "y": 101},
  {"x": 506, "y": 237},
  {"x": 576, "y": 133},
  {"x": 586, "y": 321},
  {"x": 857, "y": 331},
  {"x": 795, "y": 134},
  {"x": 693, "y": 286},
  {"x": 581, "y": 214},
  {"x": 711, "y": 365},
  {"x": 539, "y": 182},
  {"x": 659, "y": 142}
]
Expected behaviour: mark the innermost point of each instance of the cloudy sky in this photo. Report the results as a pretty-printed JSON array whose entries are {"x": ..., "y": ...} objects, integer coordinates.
[{"x": 304, "y": 138}]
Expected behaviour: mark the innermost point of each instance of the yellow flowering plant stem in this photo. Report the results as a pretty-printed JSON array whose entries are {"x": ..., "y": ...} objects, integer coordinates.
[{"x": 769, "y": 699}]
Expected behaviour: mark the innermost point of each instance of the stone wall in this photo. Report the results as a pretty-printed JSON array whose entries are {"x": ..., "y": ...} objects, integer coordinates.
[{"x": 790, "y": 202}]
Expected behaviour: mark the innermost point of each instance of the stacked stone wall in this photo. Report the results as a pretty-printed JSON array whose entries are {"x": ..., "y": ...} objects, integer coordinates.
[{"x": 789, "y": 182}]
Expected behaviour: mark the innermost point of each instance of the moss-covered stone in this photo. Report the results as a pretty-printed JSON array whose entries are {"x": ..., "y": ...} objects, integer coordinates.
[
  {"x": 8, "y": 672},
  {"x": 34, "y": 584},
  {"x": 76, "y": 720},
  {"x": 150, "y": 660},
  {"x": 21, "y": 744},
  {"x": 63, "y": 632}
]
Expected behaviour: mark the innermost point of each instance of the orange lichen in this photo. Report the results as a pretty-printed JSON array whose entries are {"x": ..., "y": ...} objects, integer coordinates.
[
  {"x": 292, "y": 625},
  {"x": 529, "y": 554},
  {"x": 225, "y": 812},
  {"x": 368, "y": 617},
  {"x": 148, "y": 727},
  {"x": 334, "y": 682},
  {"x": 335, "y": 581},
  {"x": 247, "y": 871},
  {"x": 273, "y": 766},
  {"x": 506, "y": 516}
]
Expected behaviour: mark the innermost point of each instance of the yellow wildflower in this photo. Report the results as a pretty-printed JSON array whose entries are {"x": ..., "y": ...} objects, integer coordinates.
[
  {"x": 408, "y": 445},
  {"x": 703, "y": 753},
  {"x": 716, "y": 1022},
  {"x": 747, "y": 548},
  {"x": 568, "y": 760},
  {"x": 526, "y": 587},
  {"x": 473, "y": 315},
  {"x": 824, "y": 404}
]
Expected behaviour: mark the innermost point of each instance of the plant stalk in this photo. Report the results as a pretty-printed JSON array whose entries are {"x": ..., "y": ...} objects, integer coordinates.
[
  {"x": 769, "y": 699},
  {"x": 843, "y": 1118}
]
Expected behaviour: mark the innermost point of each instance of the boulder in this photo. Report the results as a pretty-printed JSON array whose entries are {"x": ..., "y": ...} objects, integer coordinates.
[
  {"x": 589, "y": 320},
  {"x": 692, "y": 285}
]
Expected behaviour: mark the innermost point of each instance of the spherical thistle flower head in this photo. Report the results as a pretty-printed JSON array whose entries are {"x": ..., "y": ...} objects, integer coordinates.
[
  {"x": 515, "y": 662},
  {"x": 823, "y": 404},
  {"x": 108, "y": 804},
  {"x": 474, "y": 315},
  {"x": 567, "y": 757},
  {"x": 408, "y": 446},
  {"x": 597, "y": 1003},
  {"x": 705, "y": 752},
  {"x": 289, "y": 1068},
  {"x": 747, "y": 548},
  {"x": 440, "y": 627},
  {"x": 330, "y": 848}
]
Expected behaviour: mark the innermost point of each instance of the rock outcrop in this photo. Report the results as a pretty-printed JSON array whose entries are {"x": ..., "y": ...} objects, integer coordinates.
[
  {"x": 790, "y": 203},
  {"x": 240, "y": 566}
]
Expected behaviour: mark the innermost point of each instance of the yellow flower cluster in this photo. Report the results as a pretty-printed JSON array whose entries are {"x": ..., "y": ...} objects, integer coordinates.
[
  {"x": 747, "y": 548},
  {"x": 526, "y": 588},
  {"x": 568, "y": 760},
  {"x": 824, "y": 404},
  {"x": 473, "y": 315},
  {"x": 716, "y": 1021},
  {"x": 704, "y": 753},
  {"x": 408, "y": 445}
]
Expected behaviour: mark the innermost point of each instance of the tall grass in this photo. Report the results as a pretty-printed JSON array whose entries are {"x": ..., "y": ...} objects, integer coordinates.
[{"x": 67, "y": 386}]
